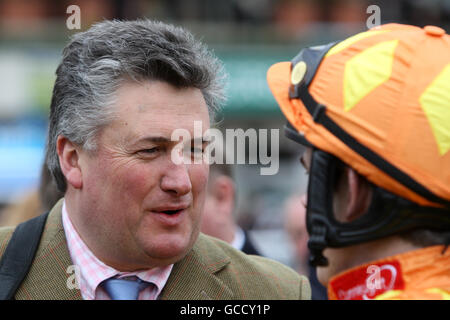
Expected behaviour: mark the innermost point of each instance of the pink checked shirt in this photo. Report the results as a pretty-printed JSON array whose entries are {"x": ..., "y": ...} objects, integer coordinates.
[{"x": 92, "y": 271}]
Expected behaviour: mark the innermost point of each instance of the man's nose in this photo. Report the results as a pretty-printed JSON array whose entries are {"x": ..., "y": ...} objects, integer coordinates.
[{"x": 176, "y": 180}]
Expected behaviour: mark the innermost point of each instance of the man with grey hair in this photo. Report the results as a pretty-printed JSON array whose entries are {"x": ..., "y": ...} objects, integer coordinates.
[{"x": 128, "y": 225}]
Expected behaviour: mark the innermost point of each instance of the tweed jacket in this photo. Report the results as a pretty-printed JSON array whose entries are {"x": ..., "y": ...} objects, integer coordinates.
[{"x": 211, "y": 270}]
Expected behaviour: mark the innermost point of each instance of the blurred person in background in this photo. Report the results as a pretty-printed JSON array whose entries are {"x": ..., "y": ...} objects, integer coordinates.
[
  {"x": 295, "y": 226},
  {"x": 373, "y": 112},
  {"x": 34, "y": 203},
  {"x": 220, "y": 209},
  {"x": 130, "y": 218},
  {"x": 26, "y": 207}
]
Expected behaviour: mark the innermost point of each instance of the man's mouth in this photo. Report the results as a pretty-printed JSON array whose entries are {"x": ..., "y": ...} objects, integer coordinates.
[
  {"x": 171, "y": 212},
  {"x": 170, "y": 215}
]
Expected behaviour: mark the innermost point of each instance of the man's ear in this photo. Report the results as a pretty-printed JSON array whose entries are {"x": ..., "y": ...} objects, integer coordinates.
[
  {"x": 68, "y": 156},
  {"x": 359, "y": 195}
]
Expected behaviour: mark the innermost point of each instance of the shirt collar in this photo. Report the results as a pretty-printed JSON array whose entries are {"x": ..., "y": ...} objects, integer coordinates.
[{"x": 90, "y": 271}]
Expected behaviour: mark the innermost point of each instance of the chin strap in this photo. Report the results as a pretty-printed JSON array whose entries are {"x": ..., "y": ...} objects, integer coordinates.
[
  {"x": 316, "y": 257},
  {"x": 317, "y": 243}
]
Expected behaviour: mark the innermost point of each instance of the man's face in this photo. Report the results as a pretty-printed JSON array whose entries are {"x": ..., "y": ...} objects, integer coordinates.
[
  {"x": 295, "y": 224},
  {"x": 212, "y": 221},
  {"x": 339, "y": 259},
  {"x": 218, "y": 220},
  {"x": 138, "y": 209}
]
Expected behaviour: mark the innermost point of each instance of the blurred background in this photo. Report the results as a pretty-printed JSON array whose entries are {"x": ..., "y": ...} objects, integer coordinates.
[{"x": 247, "y": 35}]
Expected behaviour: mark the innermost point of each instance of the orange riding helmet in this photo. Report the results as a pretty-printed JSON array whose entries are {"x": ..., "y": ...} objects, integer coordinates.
[{"x": 380, "y": 102}]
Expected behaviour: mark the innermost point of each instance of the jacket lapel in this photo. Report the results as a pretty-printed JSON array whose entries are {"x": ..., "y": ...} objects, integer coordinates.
[
  {"x": 51, "y": 276},
  {"x": 193, "y": 278}
]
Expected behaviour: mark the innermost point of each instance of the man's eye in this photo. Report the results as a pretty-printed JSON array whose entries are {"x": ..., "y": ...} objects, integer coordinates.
[
  {"x": 197, "y": 150},
  {"x": 149, "y": 151}
]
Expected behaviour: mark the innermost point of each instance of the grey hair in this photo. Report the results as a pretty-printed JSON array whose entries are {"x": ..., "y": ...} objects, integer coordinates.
[{"x": 97, "y": 61}]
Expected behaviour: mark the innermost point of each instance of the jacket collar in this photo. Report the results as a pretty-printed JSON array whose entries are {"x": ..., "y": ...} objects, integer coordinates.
[
  {"x": 194, "y": 277},
  {"x": 52, "y": 274}
]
